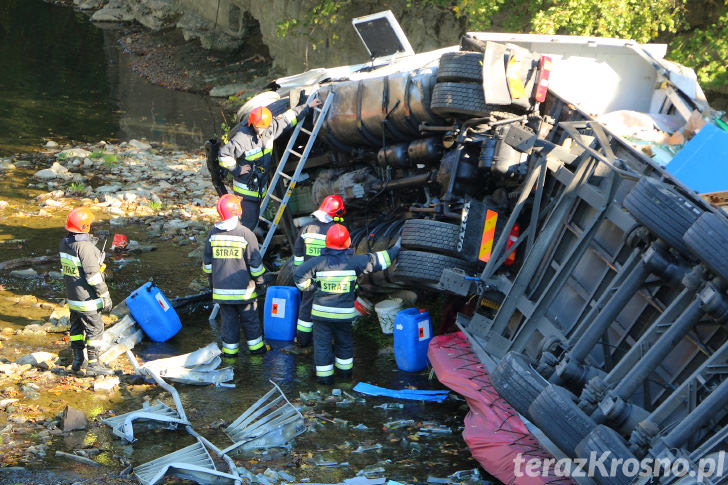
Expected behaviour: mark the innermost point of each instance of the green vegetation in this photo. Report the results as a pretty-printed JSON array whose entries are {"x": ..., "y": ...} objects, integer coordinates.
[
  {"x": 77, "y": 187},
  {"x": 155, "y": 205},
  {"x": 697, "y": 32}
]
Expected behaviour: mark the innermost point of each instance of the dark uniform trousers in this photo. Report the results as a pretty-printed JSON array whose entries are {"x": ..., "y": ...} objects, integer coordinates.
[
  {"x": 304, "y": 315},
  {"x": 251, "y": 212},
  {"x": 89, "y": 323},
  {"x": 342, "y": 357},
  {"x": 233, "y": 316}
]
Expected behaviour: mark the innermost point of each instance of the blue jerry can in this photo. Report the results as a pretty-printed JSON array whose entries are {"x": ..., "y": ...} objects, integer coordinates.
[
  {"x": 281, "y": 312},
  {"x": 152, "y": 311},
  {"x": 412, "y": 335}
]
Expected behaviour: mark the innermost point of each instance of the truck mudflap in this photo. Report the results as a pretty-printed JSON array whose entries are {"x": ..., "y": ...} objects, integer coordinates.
[{"x": 495, "y": 433}]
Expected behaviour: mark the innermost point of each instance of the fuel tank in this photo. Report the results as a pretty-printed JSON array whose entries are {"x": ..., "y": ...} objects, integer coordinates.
[{"x": 389, "y": 107}]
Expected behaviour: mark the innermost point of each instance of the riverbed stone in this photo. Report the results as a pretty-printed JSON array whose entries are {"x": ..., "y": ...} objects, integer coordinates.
[
  {"x": 51, "y": 144},
  {"x": 3, "y": 204},
  {"x": 56, "y": 171},
  {"x": 106, "y": 384},
  {"x": 74, "y": 153},
  {"x": 36, "y": 358},
  {"x": 6, "y": 165},
  {"x": 26, "y": 274},
  {"x": 73, "y": 419},
  {"x": 139, "y": 144}
]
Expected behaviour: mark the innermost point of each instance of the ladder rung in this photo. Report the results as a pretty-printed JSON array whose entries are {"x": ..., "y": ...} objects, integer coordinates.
[
  {"x": 296, "y": 153},
  {"x": 265, "y": 220},
  {"x": 285, "y": 176},
  {"x": 274, "y": 197},
  {"x": 317, "y": 109},
  {"x": 305, "y": 131}
]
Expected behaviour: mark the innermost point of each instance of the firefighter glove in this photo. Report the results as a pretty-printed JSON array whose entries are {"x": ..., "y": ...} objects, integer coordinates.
[{"x": 106, "y": 300}]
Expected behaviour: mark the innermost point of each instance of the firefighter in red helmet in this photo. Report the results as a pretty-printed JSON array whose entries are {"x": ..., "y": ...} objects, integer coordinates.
[
  {"x": 249, "y": 152},
  {"x": 82, "y": 265},
  {"x": 234, "y": 265},
  {"x": 309, "y": 244},
  {"x": 332, "y": 277}
]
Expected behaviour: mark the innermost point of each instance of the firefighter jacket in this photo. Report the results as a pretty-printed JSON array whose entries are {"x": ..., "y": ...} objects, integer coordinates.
[
  {"x": 233, "y": 262},
  {"x": 81, "y": 265},
  {"x": 247, "y": 148},
  {"x": 312, "y": 238},
  {"x": 333, "y": 278}
]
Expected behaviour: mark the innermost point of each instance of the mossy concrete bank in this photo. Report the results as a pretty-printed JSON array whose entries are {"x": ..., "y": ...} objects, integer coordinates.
[{"x": 294, "y": 46}]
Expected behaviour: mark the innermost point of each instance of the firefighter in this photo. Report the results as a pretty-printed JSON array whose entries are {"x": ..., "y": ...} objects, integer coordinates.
[
  {"x": 248, "y": 155},
  {"x": 308, "y": 245},
  {"x": 82, "y": 265},
  {"x": 234, "y": 266},
  {"x": 332, "y": 276}
]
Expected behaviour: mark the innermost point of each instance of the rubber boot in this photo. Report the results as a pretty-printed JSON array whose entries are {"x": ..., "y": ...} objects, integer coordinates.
[
  {"x": 325, "y": 380},
  {"x": 95, "y": 366},
  {"x": 79, "y": 360},
  {"x": 344, "y": 374},
  {"x": 303, "y": 339},
  {"x": 261, "y": 350}
]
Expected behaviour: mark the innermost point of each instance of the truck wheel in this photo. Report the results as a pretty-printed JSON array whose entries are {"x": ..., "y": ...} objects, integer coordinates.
[
  {"x": 423, "y": 268},
  {"x": 556, "y": 413},
  {"x": 662, "y": 210},
  {"x": 434, "y": 236},
  {"x": 708, "y": 240},
  {"x": 460, "y": 99},
  {"x": 517, "y": 381},
  {"x": 461, "y": 67},
  {"x": 604, "y": 439}
]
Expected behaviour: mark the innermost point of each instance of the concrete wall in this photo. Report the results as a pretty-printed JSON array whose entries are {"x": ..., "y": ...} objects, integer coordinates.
[{"x": 332, "y": 44}]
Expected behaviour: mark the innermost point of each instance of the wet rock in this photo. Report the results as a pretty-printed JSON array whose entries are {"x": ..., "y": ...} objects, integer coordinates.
[
  {"x": 57, "y": 171},
  {"x": 55, "y": 275},
  {"x": 60, "y": 316},
  {"x": 23, "y": 164},
  {"x": 227, "y": 90},
  {"x": 6, "y": 165},
  {"x": 91, "y": 4},
  {"x": 88, "y": 163},
  {"x": 139, "y": 144},
  {"x": 74, "y": 153},
  {"x": 7, "y": 402},
  {"x": 72, "y": 419},
  {"x": 51, "y": 144},
  {"x": 36, "y": 358},
  {"x": 108, "y": 188},
  {"x": 33, "y": 329},
  {"x": 52, "y": 203},
  {"x": 26, "y": 274},
  {"x": 3, "y": 204},
  {"x": 105, "y": 384},
  {"x": 115, "y": 211}
]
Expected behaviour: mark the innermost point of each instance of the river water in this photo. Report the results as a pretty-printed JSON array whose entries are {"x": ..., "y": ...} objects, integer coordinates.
[{"x": 66, "y": 79}]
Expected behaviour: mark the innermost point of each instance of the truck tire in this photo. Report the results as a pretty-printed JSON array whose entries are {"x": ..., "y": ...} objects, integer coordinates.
[
  {"x": 433, "y": 236},
  {"x": 461, "y": 67},
  {"x": 708, "y": 240},
  {"x": 662, "y": 210},
  {"x": 423, "y": 268},
  {"x": 556, "y": 413},
  {"x": 517, "y": 381},
  {"x": 604, "y": 439},
  {"x": 460, "y": 99}
]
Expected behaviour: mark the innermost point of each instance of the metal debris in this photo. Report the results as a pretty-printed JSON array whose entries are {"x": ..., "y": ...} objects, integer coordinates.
[
  {"x": 373, "y": 447},
  {"x": 192, "y": 462},
  {"x": 400, "y": 423},
  {"x": 198, "y": 367},
  {"x": 390, "y": 405},
  {"x": 158, "y": 416}
]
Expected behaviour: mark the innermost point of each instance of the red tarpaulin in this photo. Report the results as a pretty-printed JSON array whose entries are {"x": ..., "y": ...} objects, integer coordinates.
[{"x": 494, "y": 431}]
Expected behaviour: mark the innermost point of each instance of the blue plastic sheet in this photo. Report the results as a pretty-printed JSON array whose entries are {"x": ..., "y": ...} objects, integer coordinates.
[{"x": 414, "y": 395}]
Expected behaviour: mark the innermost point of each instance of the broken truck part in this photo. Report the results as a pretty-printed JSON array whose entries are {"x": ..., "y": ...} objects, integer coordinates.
[{"x": 600, "y": 277}]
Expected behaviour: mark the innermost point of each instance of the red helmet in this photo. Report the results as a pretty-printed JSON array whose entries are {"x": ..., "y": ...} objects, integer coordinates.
[
  {"x": 229, "y": 206},
  {"x": 333, "y": 205},
  {"x": 338, "y": 237},
  {"x": 260, "y": 117},
  {"x": 79, "y": 220}
]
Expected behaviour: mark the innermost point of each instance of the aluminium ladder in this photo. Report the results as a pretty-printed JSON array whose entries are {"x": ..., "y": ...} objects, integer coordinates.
[{"x": 319, "y": 117}]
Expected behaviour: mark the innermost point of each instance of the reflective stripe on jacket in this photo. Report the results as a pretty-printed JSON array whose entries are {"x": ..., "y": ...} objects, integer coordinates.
[
  {"x": 332, "y": 276},
  {"x": 310, "y": 241}
]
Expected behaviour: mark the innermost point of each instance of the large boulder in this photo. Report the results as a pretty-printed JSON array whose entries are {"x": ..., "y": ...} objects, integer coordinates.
[
  {"x": 56, "y": 171},
  {"x": 38, "y": 359}
]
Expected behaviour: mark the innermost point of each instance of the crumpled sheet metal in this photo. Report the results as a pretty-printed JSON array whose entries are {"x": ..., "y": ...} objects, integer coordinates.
[
  {"x": 192, "y": 462},
  {"x": 122, "y": 336},
  {"x": 158, "y": 415},
  {"x": 198, "y": 367},
  {"x": 270, "y": 422}
]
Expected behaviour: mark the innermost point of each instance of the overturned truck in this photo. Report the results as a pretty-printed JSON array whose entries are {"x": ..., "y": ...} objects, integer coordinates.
[{"x": 600, "y": 279}]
